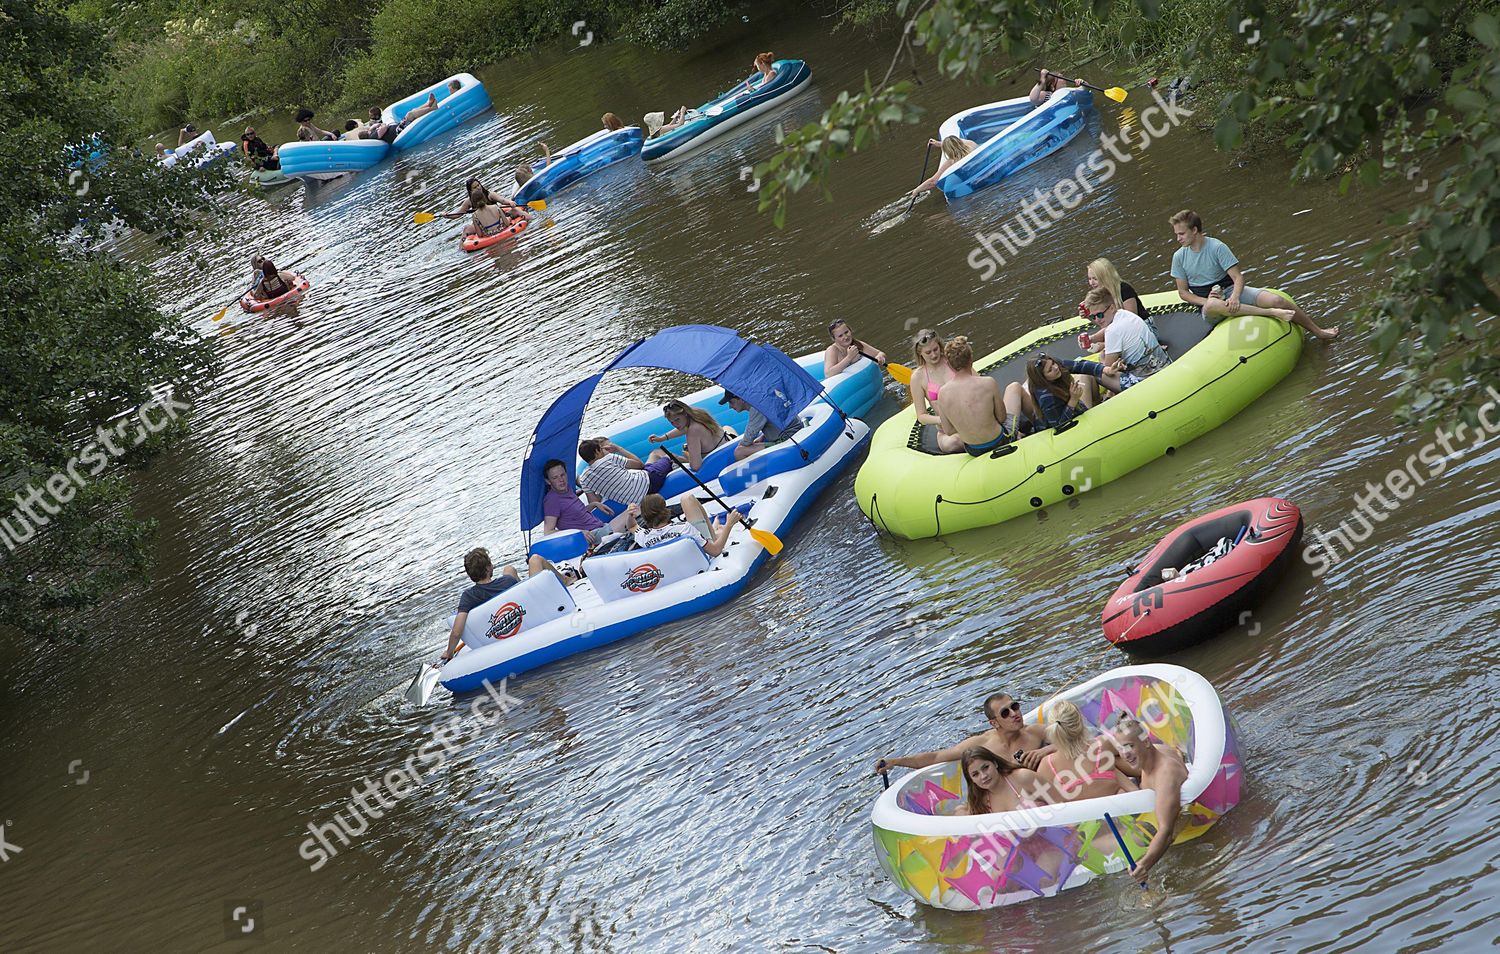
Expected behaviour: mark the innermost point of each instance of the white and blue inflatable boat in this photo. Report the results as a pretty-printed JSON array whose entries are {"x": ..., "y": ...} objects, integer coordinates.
[
  {"x": 584, "y": 158},
  {"x": 734, "y": 108},
  {"x": 321, "y": 161},
  {"x": 1012, "y": 134},
  {"x": 627, "y": 591},
  {"x": 201, "y": 150},
  {"x": 453, "y": 109}
]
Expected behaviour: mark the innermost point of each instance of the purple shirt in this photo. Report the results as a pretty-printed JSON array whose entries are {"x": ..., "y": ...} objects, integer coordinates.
[{"x": 570, "y": 513}]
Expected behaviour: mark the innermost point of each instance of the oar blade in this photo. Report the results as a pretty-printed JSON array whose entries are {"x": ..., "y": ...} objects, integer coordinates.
[
  {"x": 539, "y": 204},
  {"x": 767, "y": 539},
  {"x": 900, "y": 372},
  {"x": 422, "y": 685},
  {"x": 222, "y": 312},
  {"x": 422, "y": 218},
  {"x": 1116, "y": 93}
]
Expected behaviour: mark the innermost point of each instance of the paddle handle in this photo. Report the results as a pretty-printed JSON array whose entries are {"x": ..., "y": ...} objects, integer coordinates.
[
  {"x": 926, "y": 157},
  {"x": 687, "y": 470},
  {"x": 885, "y": 778},
  {"x": 1121, "y": 841}
]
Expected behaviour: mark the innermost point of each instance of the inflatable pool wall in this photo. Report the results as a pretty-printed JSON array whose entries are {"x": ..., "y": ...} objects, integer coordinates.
[
  {"x": 966, "y": 863},
  {"x": 327, "y": 160},
  {"x": 1012, "y": 134},
  {"x": 1216, "y": 372},
  {"x": 453, "y": 109},
  {"x": 581, "y": 159},
  {"x": 733, "y": 108}
]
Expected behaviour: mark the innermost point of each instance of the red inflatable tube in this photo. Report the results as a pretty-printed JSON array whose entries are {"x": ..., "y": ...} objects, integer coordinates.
[
  {"x": 299, "y": 285},
  {"x": 1149, "y": 615},
  {"x": 473, "y": 243}
]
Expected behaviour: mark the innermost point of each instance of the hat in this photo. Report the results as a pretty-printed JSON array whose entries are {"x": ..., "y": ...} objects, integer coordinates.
[
  {"x": 189, "y": 128},
  {"x": 729, "y": 396},
  {"x": 654, "y": 121}
]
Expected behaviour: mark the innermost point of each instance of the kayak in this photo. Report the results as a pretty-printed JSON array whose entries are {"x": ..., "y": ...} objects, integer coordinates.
[
  {"x": 203, "y": 148},
  {"x": 583, "y": 158},
  {"x": 1224, "y": 562},
  {"x": 473, "y": 243},
  {"x": 731, "y": 109},
  {"x": 252, "y": 304},
  {"x": 330, "y": 159},
  {"x": 453, "y": 109},
  {"x": 627, "y": 591},
  {"x": 1012, "y": 134},
  {"x": 910, "y": 490},
  {"x": 973, "y": 862}
]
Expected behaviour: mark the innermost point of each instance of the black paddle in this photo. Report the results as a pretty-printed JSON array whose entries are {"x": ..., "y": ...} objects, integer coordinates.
[
  {"x": 765, "y": 538},
  {"x": 926, "y": 157}
]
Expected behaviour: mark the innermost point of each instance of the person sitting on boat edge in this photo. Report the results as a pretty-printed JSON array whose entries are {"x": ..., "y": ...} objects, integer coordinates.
[
  {"x": 1101, "y": 271},
  {"x": 273, "y": 283},
  {"x": 1163, "y": 771},
  {"x": 308, "y": 132},
  {"x": 760, "y": 433},
  {"x": 976, "y": 415},
  {"x": 657, "y": 524},
  {"x": 1204, "y": 263},
  {"x": 931, "y": 372},
  {"x": 257, "y": 153},
  {"x": 612, "y": 122},
  {"x": 487, "y": 586},
  {"x": 1007, "y": 736},
  {"x": 1048, "y": 83},
  {"x": 954, "y": 149},
  {"x": 764, "y": 64},
  {"x": 524, "y": 171},
  {"x": 1130, "y": 347},
  {"x": 847, "y": 349},
  {"x": 1081, "y": 765},
  {"x": 614, "y": 473},
  {"x": 561, "y": 509},
  {"x": 702, "y": 431},
  {"x": 1059, "y": 390}
]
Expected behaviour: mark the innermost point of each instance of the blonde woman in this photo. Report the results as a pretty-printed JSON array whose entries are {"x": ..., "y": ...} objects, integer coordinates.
[
  {"x": 1081, "y": 764},
  {"x": 1103, "y": 272},
  {"x": 954, "y": 149},
  {"x": 931, "y": 373},
  {"x": 702, "y": 429}
]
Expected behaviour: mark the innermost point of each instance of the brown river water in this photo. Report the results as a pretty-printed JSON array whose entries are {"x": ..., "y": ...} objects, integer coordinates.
[{"x": 706, "y": 786}]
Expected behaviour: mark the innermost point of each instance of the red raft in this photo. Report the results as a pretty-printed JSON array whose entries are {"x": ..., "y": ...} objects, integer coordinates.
[{"x": 1150, "y": 615}]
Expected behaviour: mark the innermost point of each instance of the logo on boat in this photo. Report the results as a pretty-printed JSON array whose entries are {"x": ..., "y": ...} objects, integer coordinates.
[
  {"x": 506, "y": 621},
  {"x": 642, "y": 579}
]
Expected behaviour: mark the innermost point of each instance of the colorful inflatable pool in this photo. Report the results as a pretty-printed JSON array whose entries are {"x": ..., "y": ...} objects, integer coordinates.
[
  {"x": 970, "y": 862},
  {"x": 1012, "y": 134},
  {"x": 583, "y": 158},
  {"x": 731, "y": 109},
  {"x": 908, "y": 489}
]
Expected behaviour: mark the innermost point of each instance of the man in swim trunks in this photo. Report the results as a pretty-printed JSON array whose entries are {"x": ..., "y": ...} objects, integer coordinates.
[
  {"x": 1007, "y": 736},
  {"x": 615, "y": 473},
  {"x": 977, "y": 416},
  {"x": 487, "y": 586},
  {"x": 759, "y": 432},
  {"x": 1161, "y": 770},
  {"x": 1203, "y": 263}
]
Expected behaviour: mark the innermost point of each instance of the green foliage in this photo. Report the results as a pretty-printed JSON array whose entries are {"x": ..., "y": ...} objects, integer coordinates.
[{"x": 80, "y": 340}]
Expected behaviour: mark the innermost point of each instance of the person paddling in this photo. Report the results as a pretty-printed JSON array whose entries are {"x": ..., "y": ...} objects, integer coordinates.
[{"x": 1161, "y": 770}]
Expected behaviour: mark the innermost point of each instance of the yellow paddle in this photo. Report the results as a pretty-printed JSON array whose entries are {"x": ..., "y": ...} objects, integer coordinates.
[
  {"x": 900, "y": 372},
  {"x": 1114, "y": 92},
  {"x": 765, "y": 538},
  {"x": 422, "y": 218}
]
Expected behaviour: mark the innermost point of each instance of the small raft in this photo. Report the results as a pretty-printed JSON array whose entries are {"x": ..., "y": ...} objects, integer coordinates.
[
  {"x": 1012, "y": 134},
  {"x": 250, "y": 303},
  {"x": 474, "y": 243}
]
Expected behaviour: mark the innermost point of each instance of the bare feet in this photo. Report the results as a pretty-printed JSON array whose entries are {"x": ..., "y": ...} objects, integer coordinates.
[
  {"x": 1285, "y": 314},
  {"x": 431, "y": 99},
  {"x": 1326, "y": 334}
]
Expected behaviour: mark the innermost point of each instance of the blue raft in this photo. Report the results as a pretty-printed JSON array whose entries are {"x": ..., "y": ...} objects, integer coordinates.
[
  {"x": 453, "y": 109},
  {"x": 1012, "y": 134},
  {"x": 329, "y": 160},
  {"x": 731, "y": 109},
  {"x": 584, "y": 158}
]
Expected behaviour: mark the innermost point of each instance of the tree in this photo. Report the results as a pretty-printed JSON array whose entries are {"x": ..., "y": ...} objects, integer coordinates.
[
  {"x": 1354, "y": 88},
  {"x": 80, "y": 341}
]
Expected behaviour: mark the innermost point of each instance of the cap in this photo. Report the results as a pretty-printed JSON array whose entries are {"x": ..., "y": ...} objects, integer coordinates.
[{"x": 728, "y": 396}]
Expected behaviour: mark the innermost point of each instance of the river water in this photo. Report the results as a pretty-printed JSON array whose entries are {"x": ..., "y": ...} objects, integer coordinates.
[{"x": 705, "y": 786}]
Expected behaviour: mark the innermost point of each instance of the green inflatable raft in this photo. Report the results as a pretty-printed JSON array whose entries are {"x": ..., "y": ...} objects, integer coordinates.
[{"x": 908, "y": 489}]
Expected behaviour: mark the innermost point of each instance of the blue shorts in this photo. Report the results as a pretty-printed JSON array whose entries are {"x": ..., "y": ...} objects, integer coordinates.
[{"x": 656, "y": 474}]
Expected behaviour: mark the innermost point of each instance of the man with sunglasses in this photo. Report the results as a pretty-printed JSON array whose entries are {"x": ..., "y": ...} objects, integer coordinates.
[{"x": 1007, "y": 737}]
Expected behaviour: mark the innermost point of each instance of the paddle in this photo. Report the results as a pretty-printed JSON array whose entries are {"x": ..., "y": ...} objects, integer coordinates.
[
  {"x": 765, "y": 538},
  {"x": 900, "y": 372},
  {"x": 422, "y": 218},
  {"x": 1114, "y": 92},
  {"x": 426, "y": 680},
  {"x": 926, "y": 157},
  {"x": 223, "y": 311},
  {"x": 1123, "y": 846},
  {"x": 885, "y": 779}
]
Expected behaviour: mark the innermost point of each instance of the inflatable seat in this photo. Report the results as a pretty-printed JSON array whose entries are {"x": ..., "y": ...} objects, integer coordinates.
[
  {"x": 619, "y": 575},
  {"x": 529, "y": 603}
]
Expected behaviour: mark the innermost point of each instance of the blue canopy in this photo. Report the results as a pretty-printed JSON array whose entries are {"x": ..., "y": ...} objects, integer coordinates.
[{"x": 768, "y": 380}]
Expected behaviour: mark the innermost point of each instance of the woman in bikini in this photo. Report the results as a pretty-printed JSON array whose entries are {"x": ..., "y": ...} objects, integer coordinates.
[
  {"x": 954, "y": 149},
  {"x": 999, "y": 785},
  {"x": 1081, "y": 765},
  {"x": 932, "y": 372},
  {"x": 491, "y": 211},
  {"x": 703, "y": 431}
]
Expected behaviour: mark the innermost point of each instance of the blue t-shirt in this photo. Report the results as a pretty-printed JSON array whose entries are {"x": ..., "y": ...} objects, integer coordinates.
[
  {"x": 481, "y": 593},
  {"x": 1204, "y": 269}
]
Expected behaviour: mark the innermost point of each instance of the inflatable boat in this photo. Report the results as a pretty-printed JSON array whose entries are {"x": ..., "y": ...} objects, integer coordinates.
[
  {"x": 627, "y": 591},
  {"x": 1217, "y": 567},
  {"x": 453, "y": 109},
  {"x": 910, "y": 490},
  {"x": 583, "y": 158},
  {"x": 249, "y": 303},
  {"x": 321, "y": 161},
  {"x": 202, "y": 150},
  {"x": 474, "y": 243},
  {"x": 731, "y": 109},
  {"x": 1012, "y": 134},
  {"x": 971, "y": 862}
]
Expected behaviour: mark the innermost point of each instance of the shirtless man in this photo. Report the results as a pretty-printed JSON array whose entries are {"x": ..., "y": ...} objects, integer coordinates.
[
  {"x": 847, "y": 349},
  {"x": 1161, "y": 770},
  {"x": 1007, "y": 736},
  {"x": 976, "y": 416}
]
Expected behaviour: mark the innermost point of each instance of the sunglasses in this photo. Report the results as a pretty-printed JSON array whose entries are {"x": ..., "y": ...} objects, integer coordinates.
[
  {"x": 675, "y": 408},
  {"x": 926, "y": 337},
  {"x": 834, "y": 324},
  {"x": 1013, "y": 709},
  {"x": 1042, "y": 359}
]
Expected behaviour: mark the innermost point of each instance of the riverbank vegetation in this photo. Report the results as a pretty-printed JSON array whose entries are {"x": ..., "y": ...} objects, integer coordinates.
[
  {"x": 82, "y": 344},
  {"x": 1360, "y": 90}
]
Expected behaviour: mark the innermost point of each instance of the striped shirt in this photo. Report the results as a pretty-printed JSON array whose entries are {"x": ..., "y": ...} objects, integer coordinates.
[{"x": 609, "y": 477}]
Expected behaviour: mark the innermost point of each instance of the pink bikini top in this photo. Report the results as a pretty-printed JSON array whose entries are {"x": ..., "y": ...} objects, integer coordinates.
[
  {"x": 1068, "y": 783},
  {"x": 1023, "y": 802}
]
